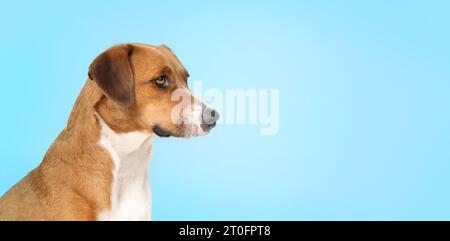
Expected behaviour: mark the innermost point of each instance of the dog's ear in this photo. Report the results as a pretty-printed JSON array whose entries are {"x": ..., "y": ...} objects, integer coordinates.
[{"x": 112, "y": 72}]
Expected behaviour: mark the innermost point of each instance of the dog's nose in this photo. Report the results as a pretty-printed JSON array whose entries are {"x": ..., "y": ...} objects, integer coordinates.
[{"x": 209, "y": 120}]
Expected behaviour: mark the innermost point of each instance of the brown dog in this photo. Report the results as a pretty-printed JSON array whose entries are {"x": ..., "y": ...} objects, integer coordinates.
[{"x": 97, "y": 167}]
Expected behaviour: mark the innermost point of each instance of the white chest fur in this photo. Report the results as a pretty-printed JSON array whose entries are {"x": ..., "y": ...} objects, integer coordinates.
[{"x": 130, "y": 195}]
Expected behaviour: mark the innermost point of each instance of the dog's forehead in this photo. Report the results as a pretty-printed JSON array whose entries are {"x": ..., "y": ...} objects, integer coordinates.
[{"x": 159, "y": 56}]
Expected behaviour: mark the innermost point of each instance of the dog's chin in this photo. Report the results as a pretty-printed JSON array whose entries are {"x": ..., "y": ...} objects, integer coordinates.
[{"x": 194, "y": 131}]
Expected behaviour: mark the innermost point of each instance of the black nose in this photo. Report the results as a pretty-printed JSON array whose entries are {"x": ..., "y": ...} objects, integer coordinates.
[{"x": 209, "y": 118}]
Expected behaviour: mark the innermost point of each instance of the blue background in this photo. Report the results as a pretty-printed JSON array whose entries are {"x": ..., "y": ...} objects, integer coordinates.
[{"x": 364, "y": 102}]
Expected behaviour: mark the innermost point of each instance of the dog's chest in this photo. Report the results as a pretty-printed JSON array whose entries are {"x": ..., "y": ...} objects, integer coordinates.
[{"x": 130, "y": 193}]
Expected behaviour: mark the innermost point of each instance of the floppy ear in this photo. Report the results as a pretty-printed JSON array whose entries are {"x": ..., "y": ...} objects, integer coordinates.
[{"x": 112, "y": 72}]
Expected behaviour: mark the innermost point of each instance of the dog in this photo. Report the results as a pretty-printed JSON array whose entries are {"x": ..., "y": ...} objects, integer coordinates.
[{"x": 96, "y": 169}]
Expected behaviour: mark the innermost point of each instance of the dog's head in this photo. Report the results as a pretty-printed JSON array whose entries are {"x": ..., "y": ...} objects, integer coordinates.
[{"x": 145, "y": 89}]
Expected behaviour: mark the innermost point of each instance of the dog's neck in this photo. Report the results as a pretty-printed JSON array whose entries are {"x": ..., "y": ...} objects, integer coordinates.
[
  {"x": 125, "y": 155},
  {"x": 130, "y": 152},
  {"x": 124, "y": 145}
]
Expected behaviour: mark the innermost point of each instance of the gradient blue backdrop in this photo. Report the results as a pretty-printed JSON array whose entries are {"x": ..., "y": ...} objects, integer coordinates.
[{"x": 364, "y": 92}]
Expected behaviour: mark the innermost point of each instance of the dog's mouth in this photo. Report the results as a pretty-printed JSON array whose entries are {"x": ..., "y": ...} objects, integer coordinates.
[
  {"x": 161, "y": 132},
  {"x": 180, "y": 131}
]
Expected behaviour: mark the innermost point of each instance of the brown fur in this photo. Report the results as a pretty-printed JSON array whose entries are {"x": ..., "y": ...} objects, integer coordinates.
[{"x": 74, "y": 180}]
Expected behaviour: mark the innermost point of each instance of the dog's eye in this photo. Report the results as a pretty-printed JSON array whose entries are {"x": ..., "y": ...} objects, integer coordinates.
[{"x": 161, "y": 81}]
